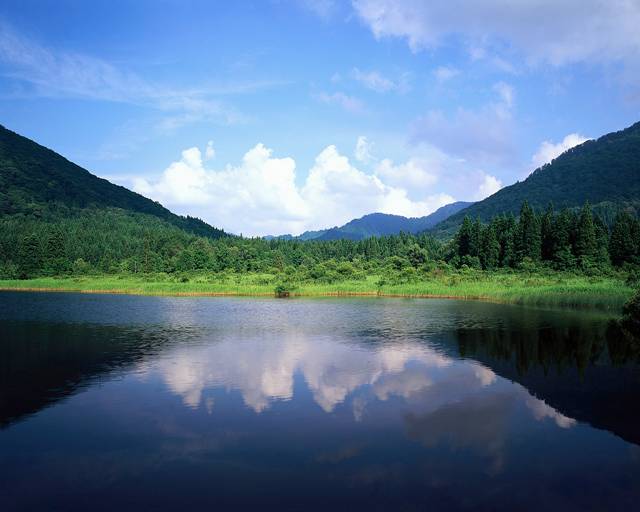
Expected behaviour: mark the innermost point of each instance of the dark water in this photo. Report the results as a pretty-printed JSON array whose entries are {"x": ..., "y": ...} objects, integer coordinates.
[{"x": 142, "y": 403}]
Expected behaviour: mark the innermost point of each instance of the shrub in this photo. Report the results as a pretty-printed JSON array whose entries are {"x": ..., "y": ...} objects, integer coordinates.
[{"x": 80, "y": 267}]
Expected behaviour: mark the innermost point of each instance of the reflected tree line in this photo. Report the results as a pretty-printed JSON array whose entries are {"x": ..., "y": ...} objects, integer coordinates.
[
  {"x": 552, "y": 348},
  {"x": 43, "y": 363}
]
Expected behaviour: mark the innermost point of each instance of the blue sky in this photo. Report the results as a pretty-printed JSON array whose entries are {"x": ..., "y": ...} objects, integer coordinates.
[{"x": 280, "y": 116}]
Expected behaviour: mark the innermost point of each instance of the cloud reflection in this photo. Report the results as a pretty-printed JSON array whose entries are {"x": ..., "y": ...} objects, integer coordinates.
[{"x": 263, "y": 370}]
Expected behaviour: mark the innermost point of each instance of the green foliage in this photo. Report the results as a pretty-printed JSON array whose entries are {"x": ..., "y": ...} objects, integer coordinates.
[{"x": 563, "y": 241}]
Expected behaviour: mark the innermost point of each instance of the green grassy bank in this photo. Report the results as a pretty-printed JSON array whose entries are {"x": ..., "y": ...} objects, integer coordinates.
[{"x": 554, "y": 289}]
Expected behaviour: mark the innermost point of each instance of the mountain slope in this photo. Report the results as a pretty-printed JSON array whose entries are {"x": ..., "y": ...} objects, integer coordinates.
[
  {"x": 379, "y": 224},
  {"x": 606, "y": 170},
  {"x": 35, "y": 180}
]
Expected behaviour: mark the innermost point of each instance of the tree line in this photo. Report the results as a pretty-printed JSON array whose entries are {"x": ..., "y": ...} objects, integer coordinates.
[
  {"x": 119, "y": 241},
  {"x": 563, "y": 240}
]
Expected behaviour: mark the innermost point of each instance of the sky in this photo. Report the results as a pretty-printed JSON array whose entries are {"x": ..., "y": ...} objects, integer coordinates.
[{"x": 280, "y": 116}]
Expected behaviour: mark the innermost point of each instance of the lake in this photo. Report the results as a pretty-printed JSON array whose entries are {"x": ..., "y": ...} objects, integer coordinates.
[{"x": 114, "y": 402}]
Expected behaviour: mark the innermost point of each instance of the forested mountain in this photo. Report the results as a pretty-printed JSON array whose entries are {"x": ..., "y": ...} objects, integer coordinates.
[
  {"x": 381, "y": 224},
  {"x": 38, "y": 182},
  {"x": 605, "y": 172}
]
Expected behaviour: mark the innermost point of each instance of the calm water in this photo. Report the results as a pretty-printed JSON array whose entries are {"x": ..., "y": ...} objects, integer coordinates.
[{"x": 143, "y": 403}]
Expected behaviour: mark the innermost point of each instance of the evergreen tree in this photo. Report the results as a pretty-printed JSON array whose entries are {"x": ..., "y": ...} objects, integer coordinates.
[
  {"x": 585, "y": 235},
  {"x": 547, "y": 233},
  {"x": 563, "y": 228},
  {"x": 476, "y": 234},
  {"x": 528, "y": 243},
  {"x": 464, "y": 238},
  {"x": 55, "y": 260},
  {"x": 29, "y": 256},
  {"x": 489, "y": 248},
  {"x": 623, "y": 246}
]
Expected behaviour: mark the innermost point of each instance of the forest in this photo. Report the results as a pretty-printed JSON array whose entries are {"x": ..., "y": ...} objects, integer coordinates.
[{"x": 569, "y": 241}]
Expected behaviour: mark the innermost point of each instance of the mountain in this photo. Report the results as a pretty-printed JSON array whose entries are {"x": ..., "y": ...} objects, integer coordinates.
[
  {"x": 38, "y": 182},
  {"x": 605, "y": 172},
  {"x": 379, "y": 224}
]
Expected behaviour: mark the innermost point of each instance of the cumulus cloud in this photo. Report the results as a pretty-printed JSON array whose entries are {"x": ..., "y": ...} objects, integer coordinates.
[
  {"x": 548, "y": 150},
  {"x": 414, "y": 173},
  {"x": 542, "y": 30},
  {"x": 260, "y": 195},
  {"x": 377, "y": 82},
  {"x": 488, "y": 186}
]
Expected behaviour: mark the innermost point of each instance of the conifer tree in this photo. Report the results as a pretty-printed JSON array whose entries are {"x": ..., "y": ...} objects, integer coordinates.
[
  {"x": 29, "y": 256},
  {"x": 585, "y": 235},
  {"x": 528, "y": 240},
  {"x": 489, "y": 248},
  {"x": 547, "y": 234},
  {"x": 464, "y": 239},
  {"x": 623, "y": 246}
]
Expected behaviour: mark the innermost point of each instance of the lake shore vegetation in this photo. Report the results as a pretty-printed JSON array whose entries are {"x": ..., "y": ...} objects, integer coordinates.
[{"x": 567, "y": 258}]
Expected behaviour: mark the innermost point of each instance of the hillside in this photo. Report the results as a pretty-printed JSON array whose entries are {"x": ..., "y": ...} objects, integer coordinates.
[
  {"x": 604, "y": 172},
  {"x": 36, "y": 181},
  {"x": 380, "y": 224}
]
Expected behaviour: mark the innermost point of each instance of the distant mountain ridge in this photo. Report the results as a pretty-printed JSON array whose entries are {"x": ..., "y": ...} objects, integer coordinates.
[
  {"x": 605, "y": 172},
  {"x": 380, "y": 224},
  {"x": 35, "y": 180}
]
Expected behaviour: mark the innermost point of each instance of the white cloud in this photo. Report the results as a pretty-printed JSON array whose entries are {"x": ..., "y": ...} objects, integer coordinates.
[
  {"x": 414, "y": 173},
  {"x": 260, "y": 196},
  {"x": 377, "y": 82},
  {"x": 548, "y": 150},
  {"x": 445, "y": 73},
  {"x": 542, "y": 30},
  {"x": 362, "y": 152},
  {"x": 348, "y": 103},
  {"x": 488, "y": 186}
]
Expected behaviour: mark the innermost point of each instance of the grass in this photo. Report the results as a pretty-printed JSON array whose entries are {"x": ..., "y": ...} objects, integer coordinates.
[{"x": 549, "y": 289}]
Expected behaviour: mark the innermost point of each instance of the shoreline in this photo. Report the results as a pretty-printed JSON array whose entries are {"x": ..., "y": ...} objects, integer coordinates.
[
  {"x": 125, "y": 291},
  {"x": 597, "y": 295}
]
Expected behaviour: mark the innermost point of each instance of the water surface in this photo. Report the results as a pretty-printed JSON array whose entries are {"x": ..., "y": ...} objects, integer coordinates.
[{"x": 114, "y": 402}]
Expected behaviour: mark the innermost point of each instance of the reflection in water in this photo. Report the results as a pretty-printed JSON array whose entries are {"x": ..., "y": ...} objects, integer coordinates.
[
  {"x": 145, "y": 402},
  {"x": 590, "y": 372},
  {"x": 43, "y": 362},
  {"x": 263, "y": 369}
]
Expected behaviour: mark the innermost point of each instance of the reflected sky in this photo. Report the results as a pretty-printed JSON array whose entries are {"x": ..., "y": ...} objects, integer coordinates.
[{"x": 134, "y": 402}]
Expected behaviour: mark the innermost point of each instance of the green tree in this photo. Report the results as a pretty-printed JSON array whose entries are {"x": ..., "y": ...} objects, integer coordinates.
[
  {"x": 547, "y": 234},
  {"x": 489, "y": 248},
  {"x": 464, "y": 238},
  {"x": 29, "y": 256},
  {"x": 623, "y": 246},
  {"x": 528, "y": 242},
  {"x": 585, "y": 237}
]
